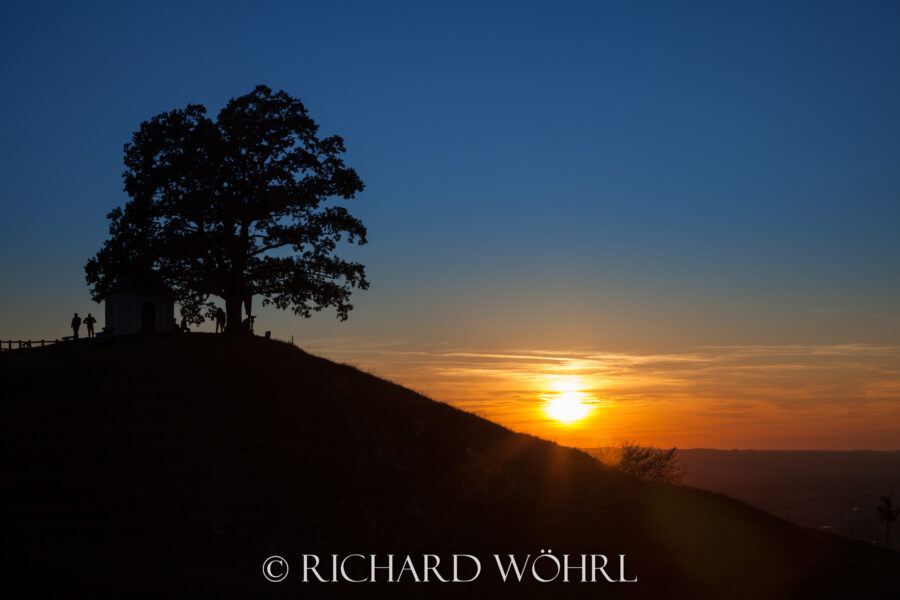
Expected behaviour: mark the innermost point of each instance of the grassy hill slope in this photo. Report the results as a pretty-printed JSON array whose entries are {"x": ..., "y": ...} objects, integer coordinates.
[{"x": 174, "y": 465}]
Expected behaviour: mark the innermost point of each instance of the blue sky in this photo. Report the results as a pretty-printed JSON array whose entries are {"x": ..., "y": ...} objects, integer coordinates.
[
  {"x": 708, "y": 153},
  {"x": 632, "y": 176}
]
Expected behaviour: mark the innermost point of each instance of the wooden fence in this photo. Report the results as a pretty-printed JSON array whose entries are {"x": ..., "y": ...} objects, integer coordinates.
[{"x": 19, "y": 344}]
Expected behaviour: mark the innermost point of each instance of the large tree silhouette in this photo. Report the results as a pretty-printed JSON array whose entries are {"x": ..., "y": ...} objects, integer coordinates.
[{"x": 236, "y": 207}]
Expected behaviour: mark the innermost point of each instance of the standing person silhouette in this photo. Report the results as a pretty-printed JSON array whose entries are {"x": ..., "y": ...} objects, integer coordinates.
[
  {"x": 76, "y": 325},
  {"x": 220, "y": 320},
  {"x": 89, "y": 321}
]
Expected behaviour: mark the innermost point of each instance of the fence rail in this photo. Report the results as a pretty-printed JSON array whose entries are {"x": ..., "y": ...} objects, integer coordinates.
[{"x": 6, "y": 345}]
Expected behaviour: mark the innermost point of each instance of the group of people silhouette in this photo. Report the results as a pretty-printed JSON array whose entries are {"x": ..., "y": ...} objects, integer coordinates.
[
  {"x": 89, "y": 321},
  {"x": 221, "y": 320}
]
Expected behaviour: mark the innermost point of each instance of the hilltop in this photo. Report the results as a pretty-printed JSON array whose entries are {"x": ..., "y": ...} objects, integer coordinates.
[{"x": 174, "y": 465}]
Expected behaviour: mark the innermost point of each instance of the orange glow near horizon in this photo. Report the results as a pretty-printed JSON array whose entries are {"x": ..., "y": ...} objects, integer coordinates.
[{"x": 839, "y": 397}]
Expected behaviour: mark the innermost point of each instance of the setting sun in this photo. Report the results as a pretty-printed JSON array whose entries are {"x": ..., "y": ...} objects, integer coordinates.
[{"x": 567, "y": 403}]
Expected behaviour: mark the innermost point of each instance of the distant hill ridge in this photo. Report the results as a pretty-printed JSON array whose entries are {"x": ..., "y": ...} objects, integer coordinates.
[{"x": 174, "y": 465}]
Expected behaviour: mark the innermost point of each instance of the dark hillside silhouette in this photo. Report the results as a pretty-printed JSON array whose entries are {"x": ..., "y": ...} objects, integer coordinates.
[{"x": 192, "y": 458}]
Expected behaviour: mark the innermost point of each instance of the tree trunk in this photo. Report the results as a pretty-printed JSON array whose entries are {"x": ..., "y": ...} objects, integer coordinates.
[
  {"x": 236, "y": 288},
  {"x": 233, "y": 314}
]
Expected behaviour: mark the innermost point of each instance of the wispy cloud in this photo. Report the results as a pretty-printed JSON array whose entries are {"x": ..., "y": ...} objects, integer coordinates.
[{"x": 861, "y": 313}]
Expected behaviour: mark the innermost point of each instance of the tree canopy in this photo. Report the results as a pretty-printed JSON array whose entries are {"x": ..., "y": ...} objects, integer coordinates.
[{"x": 236, "y": 207}]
